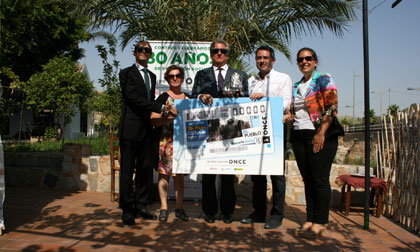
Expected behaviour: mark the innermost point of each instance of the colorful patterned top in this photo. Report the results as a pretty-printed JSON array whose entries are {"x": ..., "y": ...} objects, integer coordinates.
[
  {"x": 166, "y": 140},
  {"x": 321, "y": 97}
]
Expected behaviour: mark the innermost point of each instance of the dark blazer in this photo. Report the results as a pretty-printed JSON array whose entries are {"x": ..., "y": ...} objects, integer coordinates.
[
  {"x": 136, "y": 109},
  {"x": 205, "y": 82}
]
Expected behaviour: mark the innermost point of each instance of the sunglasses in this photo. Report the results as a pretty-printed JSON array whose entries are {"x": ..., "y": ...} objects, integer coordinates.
[
  {"x": 216, "y": 51},
  {"x": 307, "y": 58},
  {"x": 145, "y": 49},
  {"x": 172, "y": 76}
]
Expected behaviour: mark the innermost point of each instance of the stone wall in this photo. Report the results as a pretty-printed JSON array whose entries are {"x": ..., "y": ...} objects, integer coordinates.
[
  {"x": 73, "y": 169},
  {"x": 295, "y": 193},
  {"x": 76, "y": 169},
  {"x": 351, "y": 147}
]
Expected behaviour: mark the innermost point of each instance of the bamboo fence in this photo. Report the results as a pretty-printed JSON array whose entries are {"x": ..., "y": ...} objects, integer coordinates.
[{"x": 398, "y": 155}]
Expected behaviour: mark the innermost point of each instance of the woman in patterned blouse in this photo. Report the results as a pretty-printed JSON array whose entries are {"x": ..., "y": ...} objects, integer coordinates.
[{"x": 314, "y": 107}]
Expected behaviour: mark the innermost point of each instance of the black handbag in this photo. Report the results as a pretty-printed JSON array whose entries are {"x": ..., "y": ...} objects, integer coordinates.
[{"x": 335, "y": 129}]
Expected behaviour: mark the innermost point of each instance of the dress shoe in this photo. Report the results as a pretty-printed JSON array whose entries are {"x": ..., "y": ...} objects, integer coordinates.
[
  {"x": 227, "y": 219},
  {"x": 209, "y": 219},
  {"x": 253, "y": 218},
  {"x": 128, "y": 219},
  {"x": 145, "y": 214},
  {"x": 181, "y": 214},
  {"x": 273, "y": 223}
]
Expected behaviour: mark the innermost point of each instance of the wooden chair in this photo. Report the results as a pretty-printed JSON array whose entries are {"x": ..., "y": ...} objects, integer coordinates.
[{"x": 115, "y": 158}]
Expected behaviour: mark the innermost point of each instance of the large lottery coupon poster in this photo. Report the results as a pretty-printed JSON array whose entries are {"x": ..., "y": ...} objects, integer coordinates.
[{"x": 232, "y": 136}]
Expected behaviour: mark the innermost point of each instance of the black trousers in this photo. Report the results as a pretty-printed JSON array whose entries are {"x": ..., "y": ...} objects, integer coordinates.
[
  {"x": 134, "y": 155},
  {"x": 259, "y": 195},
  {"x": 259, "y": 191},
  {"x": 227, "y": 195},
  {"x": 315, "y": 170}
]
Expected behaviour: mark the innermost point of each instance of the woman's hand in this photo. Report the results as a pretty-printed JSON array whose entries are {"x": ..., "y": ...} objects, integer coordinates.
[
  {"x": 288, "y": 117},
  {"x": 256, "y": 96},
  {"x": 318, "y": 142}
]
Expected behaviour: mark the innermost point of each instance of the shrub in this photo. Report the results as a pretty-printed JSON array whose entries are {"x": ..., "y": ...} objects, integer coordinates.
[{"x": 99, "y": 145}]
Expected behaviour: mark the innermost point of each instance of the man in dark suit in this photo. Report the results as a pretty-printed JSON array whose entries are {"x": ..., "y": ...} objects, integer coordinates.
[
  {"x": 209, "y": 83},
  {"x": 135, "y": 131}
]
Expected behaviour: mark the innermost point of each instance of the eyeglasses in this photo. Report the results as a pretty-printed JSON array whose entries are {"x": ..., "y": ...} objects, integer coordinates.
[
  {"x": 217, "y": 50},
  {"x": 172, "y": 76},
  {"x": 145, "y": 49},
  {"x": 307, "y": 58}
]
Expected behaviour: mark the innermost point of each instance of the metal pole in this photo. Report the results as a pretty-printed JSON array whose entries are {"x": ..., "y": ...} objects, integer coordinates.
[
  {"x": 354, "y": 88},
  {"x": 367, "y": 112},
  {"x": 389, "y": 98},
  {"x": 380, "y": 91}
]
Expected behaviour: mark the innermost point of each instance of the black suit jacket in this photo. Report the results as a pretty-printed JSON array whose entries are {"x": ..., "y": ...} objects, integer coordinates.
[
  {"x": 137, "y": 107},
  {"x": 205, "y": 82}
]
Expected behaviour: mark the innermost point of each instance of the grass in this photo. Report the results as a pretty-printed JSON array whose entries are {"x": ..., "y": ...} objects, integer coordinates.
[{"x": 99, "y": 145}]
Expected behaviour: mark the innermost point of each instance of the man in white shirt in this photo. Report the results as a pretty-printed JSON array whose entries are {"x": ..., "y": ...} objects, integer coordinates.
[{"x": 269, "y": 83}]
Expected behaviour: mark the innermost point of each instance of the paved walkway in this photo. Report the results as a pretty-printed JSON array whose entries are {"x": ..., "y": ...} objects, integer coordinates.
[{"x": 47, "y": 220}]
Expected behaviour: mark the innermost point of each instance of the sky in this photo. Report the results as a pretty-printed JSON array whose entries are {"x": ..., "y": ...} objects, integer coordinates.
[{"x": 394, "y": 58}]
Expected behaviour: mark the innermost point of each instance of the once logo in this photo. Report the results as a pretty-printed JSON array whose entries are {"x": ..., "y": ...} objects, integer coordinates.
[{"x": 237, "y": 161}]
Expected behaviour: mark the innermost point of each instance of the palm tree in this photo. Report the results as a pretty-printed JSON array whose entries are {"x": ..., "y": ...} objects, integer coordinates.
[
  {"x": 393, "y": 109},
  {"x": 245, "y": 24}
]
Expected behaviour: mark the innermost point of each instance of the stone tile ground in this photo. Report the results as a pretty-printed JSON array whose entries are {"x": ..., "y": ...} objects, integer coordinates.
[{"x": 48, "y": 220}]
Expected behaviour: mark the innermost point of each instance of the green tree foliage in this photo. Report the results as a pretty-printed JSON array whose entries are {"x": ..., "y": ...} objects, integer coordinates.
[
  {"x": 243, "y": 23},
  {"x": 12, "y": 98},
  {"x": 372, "y": 117},
  {"x": 393, "y": 110},
  {"x": 33, "y": 32},
  {"x": 345, "y": 121},
  {"x": 60, "y": 87},
  {"x": 108, "y": 103}
]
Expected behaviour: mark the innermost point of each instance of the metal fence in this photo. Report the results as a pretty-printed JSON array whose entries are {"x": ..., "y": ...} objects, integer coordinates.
[{"x": 361, "y": 128}]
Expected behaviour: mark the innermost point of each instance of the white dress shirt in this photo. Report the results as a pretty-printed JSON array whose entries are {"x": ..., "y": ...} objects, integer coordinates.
[
  {"x": 275, "y": 84},
  {"x": 224, "y": 71},
  {"x": 140, "y": 68}
]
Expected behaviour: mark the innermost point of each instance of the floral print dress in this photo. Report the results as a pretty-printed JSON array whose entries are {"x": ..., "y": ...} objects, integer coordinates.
[{"x": 166, "y": 142}]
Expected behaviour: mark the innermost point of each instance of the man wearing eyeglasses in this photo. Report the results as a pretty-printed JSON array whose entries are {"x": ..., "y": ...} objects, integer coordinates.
[
  {"x": 269, "y": 83},
  {"x": 135, "y": 131},
  {"x": 212, "y": 83}
]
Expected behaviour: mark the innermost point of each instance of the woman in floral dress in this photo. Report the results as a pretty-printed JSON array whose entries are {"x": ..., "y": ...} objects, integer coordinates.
[{"x": 174, "y": 75}]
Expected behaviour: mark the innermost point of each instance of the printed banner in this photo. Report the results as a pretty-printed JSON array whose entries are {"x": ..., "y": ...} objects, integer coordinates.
[
  {"x": 232, "y": 136},
  {"x": 193, "y": 56}
]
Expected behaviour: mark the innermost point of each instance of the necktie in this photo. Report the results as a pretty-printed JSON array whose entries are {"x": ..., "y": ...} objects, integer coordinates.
[
  {"x": 146, "y": 81},
  {"x": 220, "y": 79}
]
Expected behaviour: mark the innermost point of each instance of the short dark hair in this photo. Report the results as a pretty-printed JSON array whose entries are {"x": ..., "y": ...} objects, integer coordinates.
[
  {"x": 141, "y": 42},
  {"x": 267, "y": 48},
  {"x": 219, "y": 41},
  {"x": 173, "y": 67},
  {"x": 314, "y": 56}
]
